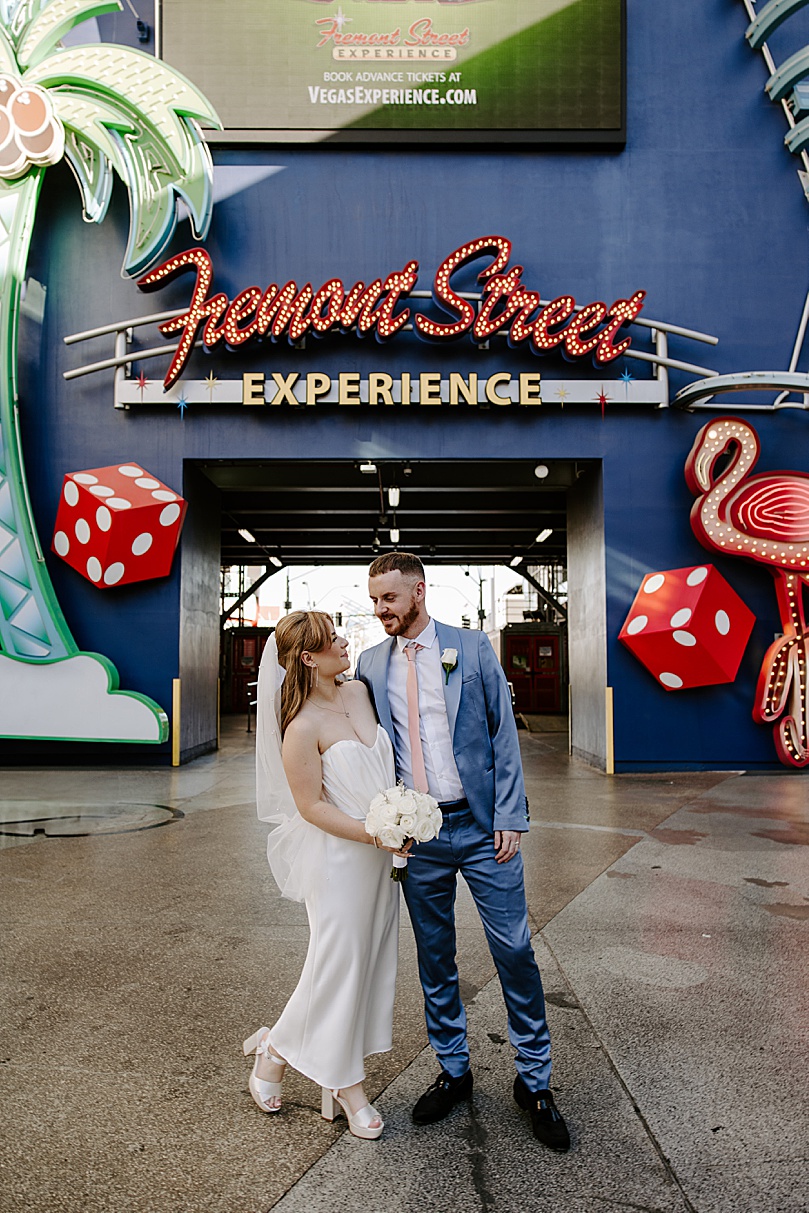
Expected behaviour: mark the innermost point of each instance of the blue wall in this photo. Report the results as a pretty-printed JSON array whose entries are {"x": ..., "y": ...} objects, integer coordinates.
[{"x": 703, "y": 209}]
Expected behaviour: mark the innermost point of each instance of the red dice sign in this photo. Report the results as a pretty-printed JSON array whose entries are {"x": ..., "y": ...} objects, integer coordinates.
[
  {"x": 688, "y": 627},
  {"x": 118, "y": 524}
]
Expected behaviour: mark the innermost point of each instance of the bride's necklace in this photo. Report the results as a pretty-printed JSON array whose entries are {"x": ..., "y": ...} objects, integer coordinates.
[{"x": 341, "y": 711}]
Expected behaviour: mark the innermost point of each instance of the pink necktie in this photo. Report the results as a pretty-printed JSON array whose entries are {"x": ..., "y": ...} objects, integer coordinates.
[{"x": 416, "y": 752}]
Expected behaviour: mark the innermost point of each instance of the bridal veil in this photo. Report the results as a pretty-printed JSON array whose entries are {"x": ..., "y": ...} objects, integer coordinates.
[{"x": 292, "y": 847}]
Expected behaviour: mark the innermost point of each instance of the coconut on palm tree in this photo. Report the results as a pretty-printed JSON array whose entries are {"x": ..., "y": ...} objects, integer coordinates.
[{"x": 106, "y": 109}]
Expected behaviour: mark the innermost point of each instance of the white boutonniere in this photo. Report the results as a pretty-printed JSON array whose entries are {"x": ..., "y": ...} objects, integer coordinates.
[{"x": 449, "y": 660}]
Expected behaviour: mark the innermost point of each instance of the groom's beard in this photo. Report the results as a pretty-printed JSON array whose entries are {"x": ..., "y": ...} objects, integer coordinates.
[{"x": 394, "y": 625}]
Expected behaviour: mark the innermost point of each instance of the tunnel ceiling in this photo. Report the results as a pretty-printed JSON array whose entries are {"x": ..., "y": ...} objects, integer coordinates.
[{"x": 328, "y": 512}]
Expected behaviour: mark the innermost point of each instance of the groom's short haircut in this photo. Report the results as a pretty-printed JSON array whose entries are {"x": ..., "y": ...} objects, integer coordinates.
[{"x": 408, "y": 565}]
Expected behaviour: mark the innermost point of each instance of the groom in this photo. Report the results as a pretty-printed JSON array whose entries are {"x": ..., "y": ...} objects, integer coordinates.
[{"x": 442, "y": 697}]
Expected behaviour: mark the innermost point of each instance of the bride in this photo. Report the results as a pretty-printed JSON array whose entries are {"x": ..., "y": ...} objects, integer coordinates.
[{"x": 316, "y": 787}]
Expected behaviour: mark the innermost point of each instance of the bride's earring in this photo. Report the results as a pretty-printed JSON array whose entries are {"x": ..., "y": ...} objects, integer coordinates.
[{"x": 314, "y": 677}]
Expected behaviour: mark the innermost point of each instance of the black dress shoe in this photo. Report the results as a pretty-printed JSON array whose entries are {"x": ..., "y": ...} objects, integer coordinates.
[
  {"x": 439, "y": 1099},
  {"x": 546, "y": 1119}
]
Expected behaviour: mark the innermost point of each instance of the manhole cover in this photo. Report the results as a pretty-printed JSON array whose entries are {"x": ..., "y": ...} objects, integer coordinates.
[{"x": 25, "y": 818}]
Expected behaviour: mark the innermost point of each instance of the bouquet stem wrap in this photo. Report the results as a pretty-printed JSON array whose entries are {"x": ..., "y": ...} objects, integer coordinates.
[
  {"x": 399, "y": 870},
  {"x": 399, "y": 814}
]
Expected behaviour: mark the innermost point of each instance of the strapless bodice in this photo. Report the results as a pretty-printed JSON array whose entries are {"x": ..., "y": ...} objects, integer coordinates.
[{"x": 353, "y": 773}]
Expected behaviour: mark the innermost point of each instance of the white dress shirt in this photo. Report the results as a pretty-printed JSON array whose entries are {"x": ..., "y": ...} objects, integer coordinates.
[{"x": 443, "y": 779}]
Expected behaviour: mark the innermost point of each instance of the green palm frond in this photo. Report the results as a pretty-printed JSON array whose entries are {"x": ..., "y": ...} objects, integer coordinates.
[
  {"x": 136, "y": 81},
  {"x": 55, "y": 19},
  {"x": 93, "y": 173},
  {"x": 92, "y": 148},
  {"x": 17, "y": 15},
  {"x": 109, "y": 95},
  {"x": 8, "y": 60}
]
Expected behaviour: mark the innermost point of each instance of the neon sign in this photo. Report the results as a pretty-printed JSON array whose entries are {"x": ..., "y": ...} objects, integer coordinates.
[
  {"x": 293, "y": 312},
  {"x": 764, "y": 518}
]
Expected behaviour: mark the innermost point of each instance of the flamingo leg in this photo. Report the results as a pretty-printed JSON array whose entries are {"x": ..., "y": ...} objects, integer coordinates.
[{"x": 782, "y": 684}]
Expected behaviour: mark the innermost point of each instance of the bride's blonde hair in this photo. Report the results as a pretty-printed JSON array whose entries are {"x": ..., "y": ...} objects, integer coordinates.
[{"x": 298, "y": 633}]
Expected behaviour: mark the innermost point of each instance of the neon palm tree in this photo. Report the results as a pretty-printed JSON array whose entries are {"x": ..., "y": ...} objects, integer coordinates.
[{"x": 106, "y": 109}]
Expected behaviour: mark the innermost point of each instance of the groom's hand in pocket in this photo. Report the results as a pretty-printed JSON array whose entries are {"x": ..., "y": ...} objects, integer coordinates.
[{"x": 506, "y": 845}]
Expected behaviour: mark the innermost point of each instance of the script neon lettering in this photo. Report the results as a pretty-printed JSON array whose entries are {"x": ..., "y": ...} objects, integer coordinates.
[{"x": 506, "y": 306}]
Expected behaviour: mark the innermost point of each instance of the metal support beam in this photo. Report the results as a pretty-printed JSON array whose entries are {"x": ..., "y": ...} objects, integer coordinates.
[
  {"x": 547, "y": 598},
  {"x": 248, "y": 593}
]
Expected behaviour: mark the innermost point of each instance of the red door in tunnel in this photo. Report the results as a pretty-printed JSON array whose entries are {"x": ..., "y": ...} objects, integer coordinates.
[{"x": 533, "y": 665}]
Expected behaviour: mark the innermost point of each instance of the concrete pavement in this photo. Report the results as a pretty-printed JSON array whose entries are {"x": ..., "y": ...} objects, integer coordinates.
[{"x": 144, "y": 938}]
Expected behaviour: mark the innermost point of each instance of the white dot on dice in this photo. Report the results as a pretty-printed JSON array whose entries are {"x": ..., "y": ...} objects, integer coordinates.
[
  {"x": 101, "y": 490},
  {"x": 637, "y": 624},
  {"x": 654, "y": 583},
  {"x": 169, "y": 515},
  {"x": 114, "y": 573},
  {"x": 671, "y": 680},
  {"x": 141, "y": 544},
  {"x": 119, "y": 503},
  {"x": 146, "y": 482},
  {"x": 680, "y": 618},
  {"x": 722, "y": 621},
  {"x": 71, "y": 493},
  {"x": 94, "y": 569},
  {"x": 82, "y": 530},
  {"x": 103, "y": 518},
  {"x": 85, "y": 478},
  {"x": 696, "y": 576},
  {"x": 685, "y": 639},
  {"x": 164, "y": 495},
  {"x": 61, "y": 543},
  {"x": 129, "y": 469}
]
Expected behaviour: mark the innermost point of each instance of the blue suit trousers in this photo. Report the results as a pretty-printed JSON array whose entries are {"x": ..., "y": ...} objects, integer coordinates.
[{"x": 499, "y": 894}]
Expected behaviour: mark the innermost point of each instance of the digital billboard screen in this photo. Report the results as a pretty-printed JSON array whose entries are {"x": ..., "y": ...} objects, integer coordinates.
[{"x": 418, "y": 70}]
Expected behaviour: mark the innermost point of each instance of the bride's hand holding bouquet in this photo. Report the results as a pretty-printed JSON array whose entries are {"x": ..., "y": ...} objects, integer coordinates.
[{"x": 400, "y": 816}]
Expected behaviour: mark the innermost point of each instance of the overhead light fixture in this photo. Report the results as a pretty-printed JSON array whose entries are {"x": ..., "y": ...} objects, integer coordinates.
[
  {"x": 247, "y": 535},
  {"x": 368, "y": 467},
  {"x": 541, "y": 471},
  {"x": 394, "y": 534},
  {"x": 393, "y": 496},
  {"x": 279, "y": 564},
  {"x": 376, "y": 541},
  {"x": 513, "y": 563},
  {"x": 406, "y": 470},
  {"x": 543, "y": 535}
]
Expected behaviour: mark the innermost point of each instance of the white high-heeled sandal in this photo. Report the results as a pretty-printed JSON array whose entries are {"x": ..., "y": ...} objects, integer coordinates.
[
  {"x": 260, "y": 1088},
  {"x": 359, "y": 1123}
]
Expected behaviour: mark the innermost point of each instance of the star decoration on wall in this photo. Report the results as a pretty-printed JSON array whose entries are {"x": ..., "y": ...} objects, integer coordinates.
[
  {"x": 211, "y": 381},
  {"x": 182, "y": 405},
  {"x": 563, "y": 393},
  {"x": 142, "y": 382},
  {"x": 602, "y": 399},
  {"x": 340, "y": 19}
]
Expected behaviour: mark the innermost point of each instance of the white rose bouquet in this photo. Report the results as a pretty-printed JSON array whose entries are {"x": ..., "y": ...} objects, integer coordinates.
[{"x": 398, "y": 814}]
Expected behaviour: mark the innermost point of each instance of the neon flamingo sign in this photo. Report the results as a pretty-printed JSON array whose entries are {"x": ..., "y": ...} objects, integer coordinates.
[{"x": 765, "y": 518}]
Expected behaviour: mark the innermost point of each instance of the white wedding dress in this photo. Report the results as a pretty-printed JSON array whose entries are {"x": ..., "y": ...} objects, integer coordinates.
[{"x": 342, "y": 1008}]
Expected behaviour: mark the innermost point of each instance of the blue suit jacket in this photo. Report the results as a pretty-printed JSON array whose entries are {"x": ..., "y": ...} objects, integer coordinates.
[{"x": 481, "y": 723}]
